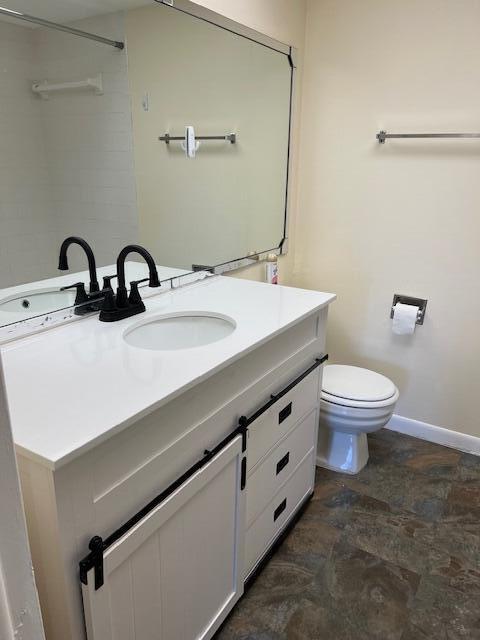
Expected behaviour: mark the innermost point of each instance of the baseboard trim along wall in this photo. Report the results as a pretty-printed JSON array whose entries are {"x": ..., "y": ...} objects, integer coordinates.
[{"x": 432, "y": 433}]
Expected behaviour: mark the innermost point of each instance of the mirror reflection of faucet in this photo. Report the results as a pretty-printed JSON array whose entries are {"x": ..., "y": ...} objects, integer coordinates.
[{"x": 82, "y": 298}]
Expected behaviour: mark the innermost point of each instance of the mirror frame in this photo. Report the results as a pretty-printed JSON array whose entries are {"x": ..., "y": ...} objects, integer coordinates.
[{"x": 218, "y": 20}]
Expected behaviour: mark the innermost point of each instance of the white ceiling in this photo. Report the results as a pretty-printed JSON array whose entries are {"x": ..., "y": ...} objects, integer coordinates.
[{"x": 68, "y": 10}]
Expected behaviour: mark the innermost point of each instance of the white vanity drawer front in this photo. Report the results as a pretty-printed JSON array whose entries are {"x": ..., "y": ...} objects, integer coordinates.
[
  {"x": 269, "y": 475},
  {"x": 270, "y": 522},
  {"x": 274, "y": 424}
]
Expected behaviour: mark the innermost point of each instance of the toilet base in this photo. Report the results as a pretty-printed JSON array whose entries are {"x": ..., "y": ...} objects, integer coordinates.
[{"x": 344, "y": 452}]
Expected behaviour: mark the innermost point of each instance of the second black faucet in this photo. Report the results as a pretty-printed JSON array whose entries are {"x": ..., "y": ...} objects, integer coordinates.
[{"x": 122, "y": 305}]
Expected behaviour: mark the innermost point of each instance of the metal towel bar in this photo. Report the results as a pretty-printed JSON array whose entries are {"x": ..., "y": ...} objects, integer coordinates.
[
  {"x": 382, "y": 136},
  {"x": 229, "y": 137}
]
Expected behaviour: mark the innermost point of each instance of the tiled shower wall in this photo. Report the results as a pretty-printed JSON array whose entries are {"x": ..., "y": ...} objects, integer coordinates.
[
  {"x": 66, "y": 163},
  {"x": 89, "y": 140},
  {"x": 27, "y": 219}
]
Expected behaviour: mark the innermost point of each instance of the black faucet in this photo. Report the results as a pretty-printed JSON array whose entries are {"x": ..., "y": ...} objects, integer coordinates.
[
  {"x": 120, "y": 306},
  {"x": 63, "y": 261},
  {"x": 82, "y": 297}
]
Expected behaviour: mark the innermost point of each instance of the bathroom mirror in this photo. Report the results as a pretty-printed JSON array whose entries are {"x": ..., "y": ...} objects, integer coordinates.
[{"x": 94, "y": 142}]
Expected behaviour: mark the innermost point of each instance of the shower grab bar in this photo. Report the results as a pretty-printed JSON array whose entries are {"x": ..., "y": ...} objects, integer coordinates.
[
  {"x": 382, "y": 136},
  {"x": 18, "y": 15}
]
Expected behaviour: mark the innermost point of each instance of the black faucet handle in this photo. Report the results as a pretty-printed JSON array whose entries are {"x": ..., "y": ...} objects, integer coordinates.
[
  {"x": 135, "y": 297},
  {"x": 82, "y": 295},
  {"x": 108, "y": 303},
  {"x": 107, "y": 281}
]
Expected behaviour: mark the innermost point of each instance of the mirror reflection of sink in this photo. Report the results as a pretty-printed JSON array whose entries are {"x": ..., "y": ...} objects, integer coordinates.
[
  {"x": 180, "y": 331},
  {"x": 37, "y": 301}
]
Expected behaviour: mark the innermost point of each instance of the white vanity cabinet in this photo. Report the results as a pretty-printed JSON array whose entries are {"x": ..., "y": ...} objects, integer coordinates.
[{"x": 177, "y": 546}]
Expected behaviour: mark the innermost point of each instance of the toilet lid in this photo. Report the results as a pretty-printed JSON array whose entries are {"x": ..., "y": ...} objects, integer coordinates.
[{"x": 355, "y": 383}]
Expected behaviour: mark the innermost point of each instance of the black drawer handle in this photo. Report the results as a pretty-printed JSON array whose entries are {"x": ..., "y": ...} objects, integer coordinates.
[
  {"x": 281, "y": 464},
  {"x": 280, "y": 509},
  {"x": 284, "y": 413}
]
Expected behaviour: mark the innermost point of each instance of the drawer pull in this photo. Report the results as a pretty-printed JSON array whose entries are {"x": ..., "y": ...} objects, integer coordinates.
[
  {"x": 280, "y": 509},
  {"x": 284, "y": 413},
  {"x": 281, "y": 464}
]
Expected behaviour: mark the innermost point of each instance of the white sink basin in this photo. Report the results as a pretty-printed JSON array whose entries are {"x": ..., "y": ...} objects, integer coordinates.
[
  {"x": 179, "y": 331},
  {"x": 37, "y": 301}
]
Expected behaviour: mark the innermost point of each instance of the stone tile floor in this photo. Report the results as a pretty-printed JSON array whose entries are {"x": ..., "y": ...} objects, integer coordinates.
[{"x": 392, "y": 553}]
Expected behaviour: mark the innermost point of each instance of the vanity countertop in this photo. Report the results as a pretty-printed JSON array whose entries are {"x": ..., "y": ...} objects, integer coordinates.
[{"x": 76, "y": 385}]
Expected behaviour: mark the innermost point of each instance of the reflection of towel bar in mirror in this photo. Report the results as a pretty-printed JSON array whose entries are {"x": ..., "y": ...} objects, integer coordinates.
[
  {"x": 383, "y": 135},
  {"x": 229, "y": 137},
  {"x": 44, "y": 88}
]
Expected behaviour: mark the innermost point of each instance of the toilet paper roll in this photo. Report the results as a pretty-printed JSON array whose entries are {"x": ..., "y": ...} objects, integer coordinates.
[{"x": 404, "y": 319}]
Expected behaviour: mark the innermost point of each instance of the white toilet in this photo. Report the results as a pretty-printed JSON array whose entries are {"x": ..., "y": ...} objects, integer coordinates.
[{"x": 354, "y": 402}]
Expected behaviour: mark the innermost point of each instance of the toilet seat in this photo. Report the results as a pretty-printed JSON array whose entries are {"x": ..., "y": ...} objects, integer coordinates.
[
  {"x": 359, "y": 404},
  {"x": 355, "y": 387}
]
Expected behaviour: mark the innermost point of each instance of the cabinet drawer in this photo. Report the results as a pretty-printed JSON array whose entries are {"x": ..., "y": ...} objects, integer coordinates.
[
  {"x": 278, "y": 420},
  {"x": 270, "y": 474},
  {"x": 270, "y": 522}
]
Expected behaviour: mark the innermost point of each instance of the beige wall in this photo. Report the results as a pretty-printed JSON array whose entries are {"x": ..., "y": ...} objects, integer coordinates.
[
  {"x": 404, "y": 217},
  {"x": 283, "y": 20}
]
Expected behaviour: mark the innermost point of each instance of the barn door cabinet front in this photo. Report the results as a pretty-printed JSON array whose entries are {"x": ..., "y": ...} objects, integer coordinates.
[{"x": 178, "y": 571}]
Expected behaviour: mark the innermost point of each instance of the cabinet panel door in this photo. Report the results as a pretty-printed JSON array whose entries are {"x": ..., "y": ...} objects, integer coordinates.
[{"x": 179, "y": 571}]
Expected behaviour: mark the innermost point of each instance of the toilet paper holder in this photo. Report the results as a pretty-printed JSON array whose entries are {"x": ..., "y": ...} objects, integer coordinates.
[{"x": 421, "y": 303}]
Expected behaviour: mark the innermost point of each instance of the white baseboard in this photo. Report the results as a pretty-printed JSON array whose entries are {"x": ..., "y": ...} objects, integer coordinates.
[{"x": 432, "y": 433}]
